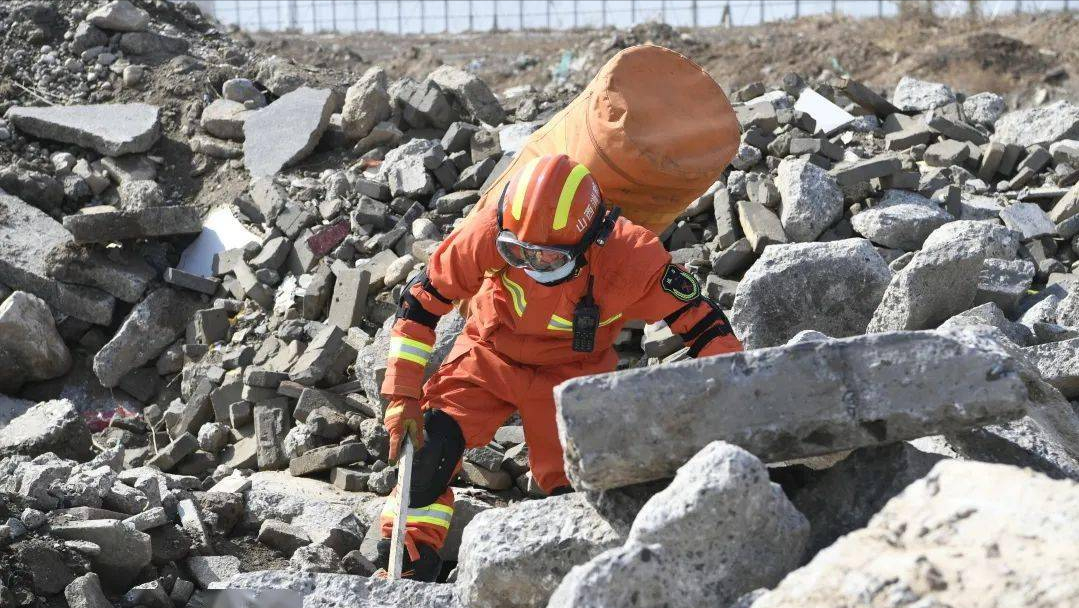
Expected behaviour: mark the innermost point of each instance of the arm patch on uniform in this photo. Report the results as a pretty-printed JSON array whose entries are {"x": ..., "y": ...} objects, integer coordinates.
[{"x": 680, "y": 284}]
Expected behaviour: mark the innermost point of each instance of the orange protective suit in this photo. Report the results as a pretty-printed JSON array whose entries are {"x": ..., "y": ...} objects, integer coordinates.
[{"x": 516, "y": 344}]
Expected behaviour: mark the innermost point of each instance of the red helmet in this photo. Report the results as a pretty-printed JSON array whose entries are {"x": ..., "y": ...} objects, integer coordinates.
[{"x": 552, "y": 200}]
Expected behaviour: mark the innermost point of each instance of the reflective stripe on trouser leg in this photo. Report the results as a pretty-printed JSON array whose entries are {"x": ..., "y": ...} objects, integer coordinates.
[
  {"x": 434, "y": 513},
  {"x": 428, "y": 524}
]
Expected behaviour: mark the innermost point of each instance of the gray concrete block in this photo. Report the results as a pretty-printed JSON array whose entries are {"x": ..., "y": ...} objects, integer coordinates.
[
  {"x": 194, "y": 282},
  {"x": 286, "y": 131},
  {"x": 272, "y": 423},
  {"x": 106, "y": 224},
  {"x": 853, "y": 392},
  {"x": 27, "y": 237},
  {"x": 150, "y": 327},
  {"x": 349, "y": 302},
  {"x": 108, "y": 129}
]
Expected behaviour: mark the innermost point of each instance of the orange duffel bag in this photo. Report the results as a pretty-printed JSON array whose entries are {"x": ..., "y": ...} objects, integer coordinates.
[{"x": 654, "y": 129}]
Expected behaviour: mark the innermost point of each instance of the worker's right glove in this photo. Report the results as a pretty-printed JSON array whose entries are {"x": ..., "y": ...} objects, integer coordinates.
[{"x": 403, "y": 416}]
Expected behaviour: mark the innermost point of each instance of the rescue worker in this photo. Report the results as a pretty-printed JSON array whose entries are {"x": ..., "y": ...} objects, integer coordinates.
[{"x": 552, "y": 273}]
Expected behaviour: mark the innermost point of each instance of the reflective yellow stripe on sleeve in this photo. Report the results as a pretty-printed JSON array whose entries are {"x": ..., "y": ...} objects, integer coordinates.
[{"x": 410, "y": 350}]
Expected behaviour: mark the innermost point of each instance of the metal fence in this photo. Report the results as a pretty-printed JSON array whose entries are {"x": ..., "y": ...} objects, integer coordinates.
[{"x": 433, "y": 16}]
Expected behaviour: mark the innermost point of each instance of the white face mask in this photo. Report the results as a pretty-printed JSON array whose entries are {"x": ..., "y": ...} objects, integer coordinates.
[{"x": 550, "y": 276}]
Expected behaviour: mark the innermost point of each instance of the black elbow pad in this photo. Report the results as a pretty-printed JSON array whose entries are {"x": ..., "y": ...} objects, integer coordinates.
[{"x": 408, "y": 307}]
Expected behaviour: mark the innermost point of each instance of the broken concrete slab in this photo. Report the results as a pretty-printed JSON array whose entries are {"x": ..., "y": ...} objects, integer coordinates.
[
  {"x": 1004, "y": 282},
  {"x": 105, "y": 224},
  {"x": 760, "y": 225},
  {"x": 913, "y": 95},
  {"x": 176, "y": 450},
  {"x": 326, "y": 458},
  {"x": 990, "y": 314},
  {"x": 27, "y": 236},
  {"x": 85, "y": 592},
  {"x": 517, "y": 555},
  {"x": 326, "y": 589},
  {"x": 309, "y": 504},
  {"x": 864, "y": 96},
  {"x": 720, "y": 518},
  {"x": 210, "y": 569},
  {"x": 902, "y": 220},
  {"x": 367, "y": 103},
  {"x": 848, "y": 398},
  {"x": 1058, "y": 363},
  {"x": 282, "y": 537},
  {"x": 945, "y": 122},
  {"x": 848, "y": 174},
  {"x": 272, "y": 422},
  {"x": 1029, "y": 220},
  {"x": 936, "y": 284},
  {"x": 50, "y": 426},
  {"x": 945, "y": 153},
  {"x": 812, "y": 201},
  {"x": 124, "y": 550},
  {"x": 225, "y": 119},
  {"x": 831, "y": 287},
  {"x": 984, "y": 108},
  {"x": 190, "y": 281},
  {"x": 108, "y": 129},
  {"x": 929, "y": 545},
  {"x": 120, "y": 273},
  {"x": 1038, "y": 126},
  {"x": 470, "y": 93},
  {"x": 30, "y": 346},
  {"x": 349, "y": 303},
  {"x": 286, "y": 131},
  {"x": 989, "y": 237},
  {"x": 149, "y": 328}
]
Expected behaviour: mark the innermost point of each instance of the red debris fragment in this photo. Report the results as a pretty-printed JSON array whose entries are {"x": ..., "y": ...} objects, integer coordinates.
[{"x": 329, "y": 237}]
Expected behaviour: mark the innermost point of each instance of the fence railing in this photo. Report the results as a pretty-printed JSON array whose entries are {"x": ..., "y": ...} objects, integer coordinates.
[{"x": 434, "y": 16}]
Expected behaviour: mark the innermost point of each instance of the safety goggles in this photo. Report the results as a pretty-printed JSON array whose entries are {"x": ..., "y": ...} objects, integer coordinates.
[{"x": 541, "y": 258}]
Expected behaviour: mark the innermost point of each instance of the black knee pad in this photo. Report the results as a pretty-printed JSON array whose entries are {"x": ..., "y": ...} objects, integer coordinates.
[{"x": 434, "y": 463}]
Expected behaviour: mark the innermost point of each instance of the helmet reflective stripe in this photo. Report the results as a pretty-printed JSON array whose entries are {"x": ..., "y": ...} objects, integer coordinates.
[
  {"x": 522, "y": 187},
  {"x": 409, "y": 349},
  {"x": 565, "y": 200}
]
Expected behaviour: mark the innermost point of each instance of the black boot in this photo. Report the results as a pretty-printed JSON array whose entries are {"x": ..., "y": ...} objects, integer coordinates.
[{"x": 425, "y": 569}]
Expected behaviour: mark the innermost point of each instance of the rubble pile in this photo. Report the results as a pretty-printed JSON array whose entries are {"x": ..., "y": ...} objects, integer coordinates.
[{"x": 195, "y": 298}]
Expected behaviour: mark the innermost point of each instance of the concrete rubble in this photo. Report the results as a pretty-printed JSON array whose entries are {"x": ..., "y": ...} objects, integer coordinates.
[
  {"x": 719, "y": 530},
  {"x": 845, "y": 401},
  {"x": 110, "y": 130},
  {"x": 927, "y": 545},
  {"x": 832, "y": 287},
  {"x": 517, "y": 556},
  {"x": 202, "y": 248}
]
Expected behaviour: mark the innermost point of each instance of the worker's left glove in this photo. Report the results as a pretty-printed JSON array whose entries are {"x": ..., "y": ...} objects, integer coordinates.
[{"x": 403, "y": 416}]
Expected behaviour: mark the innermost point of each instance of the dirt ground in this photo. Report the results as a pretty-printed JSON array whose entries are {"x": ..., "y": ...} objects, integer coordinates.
[{"x": 1016, "y": 55}]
